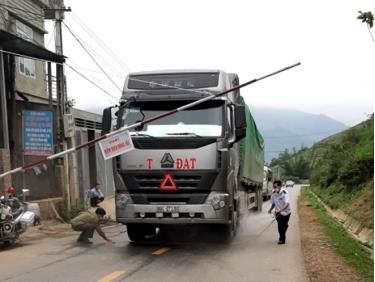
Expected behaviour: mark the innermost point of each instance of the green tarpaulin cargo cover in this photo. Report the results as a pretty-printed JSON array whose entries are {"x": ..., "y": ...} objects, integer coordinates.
[{"x": 252, "y": 151}]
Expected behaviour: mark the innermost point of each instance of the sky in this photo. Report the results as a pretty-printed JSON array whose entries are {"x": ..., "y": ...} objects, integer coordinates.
[{"x": 250, "y": 38}]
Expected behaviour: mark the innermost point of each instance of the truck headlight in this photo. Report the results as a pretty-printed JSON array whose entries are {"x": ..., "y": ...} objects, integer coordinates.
[
  {"x": 122, "y": 200},
  {"x": 217, "y": 200}
]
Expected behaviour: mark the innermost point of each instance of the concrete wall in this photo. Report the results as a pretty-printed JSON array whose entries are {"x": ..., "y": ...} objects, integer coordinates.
[
  {"x": 48, "y": 207},
  {"x": 8, "y": 17},
  {"x": 83, "y": 172},
  {"x": 89, "y": 172},
  {"x": 35, "y": 86},
  {"x": 35, "y": 7}
]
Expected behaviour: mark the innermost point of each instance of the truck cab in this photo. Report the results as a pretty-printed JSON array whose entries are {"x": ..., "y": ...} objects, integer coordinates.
[{"x": 185, "y": 167}]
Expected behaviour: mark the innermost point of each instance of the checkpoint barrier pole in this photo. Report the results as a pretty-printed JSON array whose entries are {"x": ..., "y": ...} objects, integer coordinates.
[{"x": 142, "y": 123}]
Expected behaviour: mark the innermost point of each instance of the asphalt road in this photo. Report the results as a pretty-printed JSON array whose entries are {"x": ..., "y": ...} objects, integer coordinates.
[{"x": 252, "y": 256}]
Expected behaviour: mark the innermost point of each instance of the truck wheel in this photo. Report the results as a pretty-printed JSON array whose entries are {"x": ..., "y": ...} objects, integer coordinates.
[
  {"x": 7, "y": 243},
  {"x": 228, "y": 231},
  {"x": 140, "y": 232}
]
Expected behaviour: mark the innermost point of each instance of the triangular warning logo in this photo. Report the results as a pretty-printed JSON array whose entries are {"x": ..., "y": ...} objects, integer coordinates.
[{"x": 168, "y": 183}]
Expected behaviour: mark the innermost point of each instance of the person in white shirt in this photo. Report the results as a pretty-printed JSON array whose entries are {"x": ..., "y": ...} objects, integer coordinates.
[
  {"x": 96, "y": 196},
  {"x": 280, "y": 201}
]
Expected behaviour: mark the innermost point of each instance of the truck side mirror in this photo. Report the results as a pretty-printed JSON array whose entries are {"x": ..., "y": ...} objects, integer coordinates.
[
  {"x": 107, "y": 120},
  {"x": 240, "y": 122}
]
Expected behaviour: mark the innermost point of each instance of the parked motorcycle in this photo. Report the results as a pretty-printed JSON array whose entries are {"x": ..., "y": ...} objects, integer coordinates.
[{"x": 12, "y": 225}]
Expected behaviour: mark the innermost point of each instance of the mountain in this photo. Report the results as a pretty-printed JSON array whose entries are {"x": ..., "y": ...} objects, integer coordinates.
[{"x": 288, "y": 128}]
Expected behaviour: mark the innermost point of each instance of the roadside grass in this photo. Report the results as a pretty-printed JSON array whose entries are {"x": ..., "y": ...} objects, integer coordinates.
[
  {"x": 359, "y": 204},
  {"x": 347, "y": 247}
]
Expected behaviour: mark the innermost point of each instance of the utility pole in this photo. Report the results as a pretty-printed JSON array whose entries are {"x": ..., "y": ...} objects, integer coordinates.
[
  {"x": 64, "y": 176},
  {"x": 4, "y": 140}
]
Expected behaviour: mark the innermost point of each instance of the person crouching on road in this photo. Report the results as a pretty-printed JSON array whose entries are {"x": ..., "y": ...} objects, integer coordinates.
[
  {"x": 280, "y": 201},
  {"x": 96, "y": 196},
  {"x": 87, "y": 222}
]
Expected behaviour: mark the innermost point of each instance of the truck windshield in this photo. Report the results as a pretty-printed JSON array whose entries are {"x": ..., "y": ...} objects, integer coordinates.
[{"x": 204, "y": 120}]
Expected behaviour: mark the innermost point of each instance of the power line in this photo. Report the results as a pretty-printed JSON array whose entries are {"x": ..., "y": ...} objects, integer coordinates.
[
  {"x": 79, "y": 41},
  {"x": 52, "y": 35},
  {"x": 95, "y": 71},
  {"x": 94, "y": 77},
  {"x": 99, "y": 41},
  {"x": 369, "y": 30},
  {"x": 93, "y": 83},
  {"x": 102, "y": 59},
  {"x": 124, "y": 65},
  {"x": 109, "y": 51},
  {"x": 79, "y": 73},
  {"x": 136, "y": 79},
  {"x": 104, "y": 46}
]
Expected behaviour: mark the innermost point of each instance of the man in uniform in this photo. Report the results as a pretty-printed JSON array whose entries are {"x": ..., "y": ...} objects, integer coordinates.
[
  {"x": 96, "y": 196},
  {"x": 280, "y": 201},
  {"x": 87, "y": 222}
]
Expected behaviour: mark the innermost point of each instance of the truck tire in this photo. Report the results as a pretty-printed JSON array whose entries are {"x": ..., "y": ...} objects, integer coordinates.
[
  {"x": 7, "y": 243},
  {"x": 140, "y": 232},
  {"x": 228, "y": 231}
]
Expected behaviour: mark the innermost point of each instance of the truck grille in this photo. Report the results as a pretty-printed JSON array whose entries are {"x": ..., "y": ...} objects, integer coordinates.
[
  {"x": 148, "y": 182},
  {"x": 153, "y": 181}
]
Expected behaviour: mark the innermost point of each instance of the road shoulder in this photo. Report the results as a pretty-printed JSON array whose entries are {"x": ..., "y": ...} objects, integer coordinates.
[{"x": 322, "y": 259}]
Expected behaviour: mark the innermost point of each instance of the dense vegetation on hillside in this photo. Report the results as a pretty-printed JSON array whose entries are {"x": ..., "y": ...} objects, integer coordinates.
[
  {"x": 340, "y": 169},
  {"x": 295, "y": 165}
]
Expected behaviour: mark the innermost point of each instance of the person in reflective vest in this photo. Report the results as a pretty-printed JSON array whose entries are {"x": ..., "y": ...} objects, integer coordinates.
[{"x": 280, "y": 201}]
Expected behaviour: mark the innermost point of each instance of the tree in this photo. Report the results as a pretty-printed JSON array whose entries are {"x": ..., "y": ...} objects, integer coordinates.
[
  {"x": 70, "y": 103},
  {"x": 368, "y": 18}
]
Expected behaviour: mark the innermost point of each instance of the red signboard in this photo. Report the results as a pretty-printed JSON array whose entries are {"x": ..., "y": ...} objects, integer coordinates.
[{"x": 115, "y": 145}]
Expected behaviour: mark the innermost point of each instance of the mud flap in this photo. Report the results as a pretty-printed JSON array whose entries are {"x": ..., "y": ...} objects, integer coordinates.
[{"x": 259, "y": 198}]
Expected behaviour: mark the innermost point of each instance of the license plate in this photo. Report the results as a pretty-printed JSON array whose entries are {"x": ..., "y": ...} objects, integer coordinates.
[{"x": 168, "y": 209}]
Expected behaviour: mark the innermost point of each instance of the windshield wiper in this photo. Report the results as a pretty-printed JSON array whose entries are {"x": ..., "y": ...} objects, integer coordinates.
[
  {"x": 141, "y": 135},
  {"x": 184, "y": 134}
]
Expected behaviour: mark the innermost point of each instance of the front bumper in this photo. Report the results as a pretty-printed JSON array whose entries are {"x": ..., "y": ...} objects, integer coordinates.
[{"x": 173, "y": 214}]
